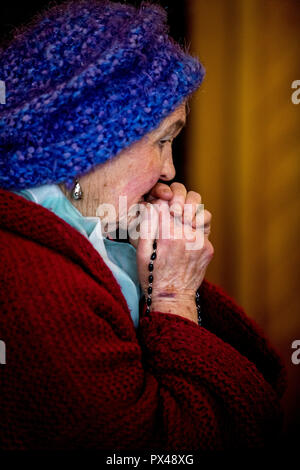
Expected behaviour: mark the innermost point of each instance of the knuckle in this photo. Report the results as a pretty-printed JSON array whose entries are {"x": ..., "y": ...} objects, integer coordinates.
[
  {"x": 194, "y": 195},
  {"x": 207, "y": 215},
  {"x": 209, "y": 250},
  {"x": 207, "y": 219},
  {"x": 178, "y": 186}
]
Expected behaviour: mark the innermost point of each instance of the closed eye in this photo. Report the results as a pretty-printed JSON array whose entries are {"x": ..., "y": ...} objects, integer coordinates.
[{"x": 162, "y": 142}]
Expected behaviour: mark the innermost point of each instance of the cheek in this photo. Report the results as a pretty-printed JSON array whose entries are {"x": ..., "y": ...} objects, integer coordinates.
[{"x": 143, "y": 173}]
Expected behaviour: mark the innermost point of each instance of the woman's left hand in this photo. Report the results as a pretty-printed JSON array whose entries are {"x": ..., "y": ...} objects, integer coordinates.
[{"x": 177, "y": 197}]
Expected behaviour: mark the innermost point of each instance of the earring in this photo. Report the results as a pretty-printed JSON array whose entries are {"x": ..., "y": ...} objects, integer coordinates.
[{"x": 77, "y": 192}]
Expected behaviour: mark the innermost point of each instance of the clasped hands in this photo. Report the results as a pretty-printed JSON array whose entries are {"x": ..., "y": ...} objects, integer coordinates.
[
  {"x": 182, "y": 204},
  {"x": 178, "y": 270},
  {"x": 178, "y": 199}
]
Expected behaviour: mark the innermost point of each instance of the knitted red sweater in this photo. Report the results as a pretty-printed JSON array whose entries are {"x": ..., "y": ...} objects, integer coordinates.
[{"x": 78, "y": 374}]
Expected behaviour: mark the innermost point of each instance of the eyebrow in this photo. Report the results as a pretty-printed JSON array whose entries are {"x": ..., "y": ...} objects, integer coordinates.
[{"x": 174, "y": 127}]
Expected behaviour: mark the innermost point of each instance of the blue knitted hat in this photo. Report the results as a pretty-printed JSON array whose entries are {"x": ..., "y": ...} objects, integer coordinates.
[{"x": 85, "y": 79}]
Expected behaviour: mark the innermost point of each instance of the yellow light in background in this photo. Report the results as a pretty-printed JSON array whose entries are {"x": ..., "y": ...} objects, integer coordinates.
[{"x": 243, "y": 154}]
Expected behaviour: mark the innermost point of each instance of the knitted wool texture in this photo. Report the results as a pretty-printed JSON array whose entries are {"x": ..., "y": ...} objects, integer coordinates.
[
  {"x": 84, "y": 80},
  {"x": 78, "y": 375}
]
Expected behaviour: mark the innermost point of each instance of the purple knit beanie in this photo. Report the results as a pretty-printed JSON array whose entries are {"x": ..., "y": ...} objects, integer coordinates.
[{"x": 84, "y": 80}]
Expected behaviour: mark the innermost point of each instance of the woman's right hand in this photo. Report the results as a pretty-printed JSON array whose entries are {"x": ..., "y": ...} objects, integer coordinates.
[{"x": 178, "y": 271}]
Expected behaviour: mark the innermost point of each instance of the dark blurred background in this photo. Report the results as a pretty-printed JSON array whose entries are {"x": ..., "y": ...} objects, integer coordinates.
[{"x": 241, "y": 152}]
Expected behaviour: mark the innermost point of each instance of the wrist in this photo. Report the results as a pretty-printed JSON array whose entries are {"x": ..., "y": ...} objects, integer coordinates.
[
  {"x": 179, "y": 303},
  {"x": 174, "y": 295}
]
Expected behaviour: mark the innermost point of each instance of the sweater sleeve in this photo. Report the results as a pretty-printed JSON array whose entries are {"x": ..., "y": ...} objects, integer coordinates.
[
  {"x": 78, "y": 374},
  {"x": 226, "y": 319},
  {"x": 220, "y": 392}
]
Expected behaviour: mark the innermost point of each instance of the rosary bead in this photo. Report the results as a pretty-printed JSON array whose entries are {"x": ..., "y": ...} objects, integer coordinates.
[
  {"x": 150, "y": 278},
  {"x": 198, "y": 308},
  {"x": 149, "y": 290},
  {"x": 150, "y": 266}
]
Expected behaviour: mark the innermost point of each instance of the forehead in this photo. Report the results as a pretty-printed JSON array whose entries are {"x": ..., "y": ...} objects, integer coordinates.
[{"x": 179, "y": 114}]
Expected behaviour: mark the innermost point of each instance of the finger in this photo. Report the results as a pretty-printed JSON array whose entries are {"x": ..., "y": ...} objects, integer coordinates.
[
  {"x": 160, "y": 191},
  {"x": 165, "y": 230},
  {"x": 192, "y": 201},
  {"x": 134, "y": 222},
  {"x": 207, "y": 223},
  {"x": 203, "y": 220},
  {"x": 177, "y": 202}
]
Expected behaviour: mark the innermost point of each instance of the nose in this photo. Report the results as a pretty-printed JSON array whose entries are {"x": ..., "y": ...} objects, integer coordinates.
[{"x": 168, "y": 171}]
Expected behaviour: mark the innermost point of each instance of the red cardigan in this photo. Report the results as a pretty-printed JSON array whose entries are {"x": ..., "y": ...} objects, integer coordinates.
[{"x": 79, "y": 375}]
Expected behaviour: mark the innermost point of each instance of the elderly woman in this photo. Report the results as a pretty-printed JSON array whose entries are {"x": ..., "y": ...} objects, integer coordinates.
[{"x": 114, "y": 342}]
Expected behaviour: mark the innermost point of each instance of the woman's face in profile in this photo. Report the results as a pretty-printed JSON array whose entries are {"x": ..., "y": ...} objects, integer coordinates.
[{"x": 135, "y": 170}]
